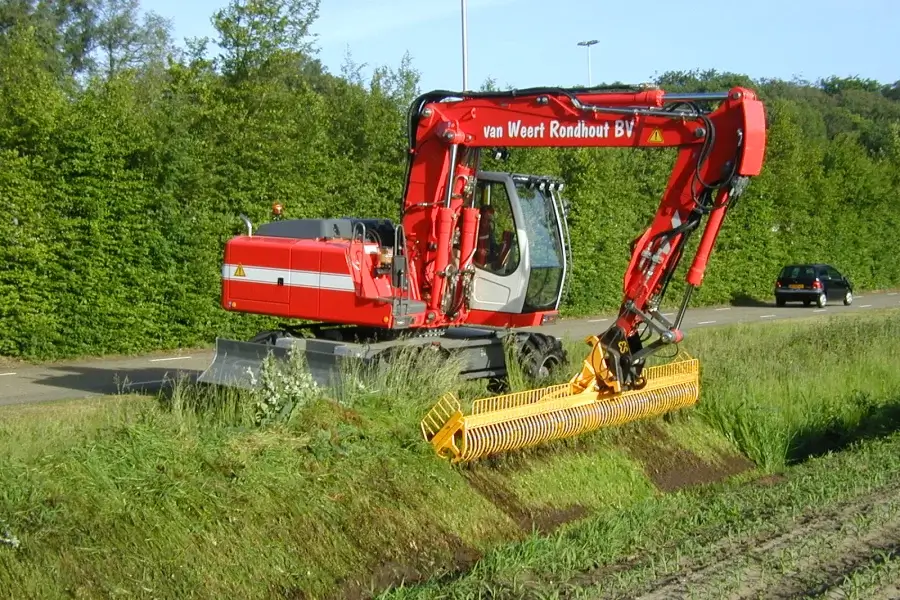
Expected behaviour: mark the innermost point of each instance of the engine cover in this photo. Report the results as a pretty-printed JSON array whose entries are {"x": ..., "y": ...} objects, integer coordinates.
[
  {"x": 377, "y": 230},
  {"x": 289, "y": 269}
]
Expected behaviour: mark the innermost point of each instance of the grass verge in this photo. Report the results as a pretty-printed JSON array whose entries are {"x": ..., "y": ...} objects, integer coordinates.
[
  {"x": 831, "y": 524},
  {"x": 299, "y": 494}
]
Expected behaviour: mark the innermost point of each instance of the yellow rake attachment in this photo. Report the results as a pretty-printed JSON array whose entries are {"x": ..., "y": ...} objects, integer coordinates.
[{"x": 524, "y": 419}]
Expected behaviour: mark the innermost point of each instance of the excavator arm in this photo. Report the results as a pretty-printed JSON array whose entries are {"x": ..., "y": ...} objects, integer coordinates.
[{"x": 718, "y": 150}]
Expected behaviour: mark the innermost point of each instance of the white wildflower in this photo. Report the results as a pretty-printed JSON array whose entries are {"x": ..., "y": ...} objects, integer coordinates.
[
  {"x": 8, "y": 539},
  {"x": 282, "y": 387}
]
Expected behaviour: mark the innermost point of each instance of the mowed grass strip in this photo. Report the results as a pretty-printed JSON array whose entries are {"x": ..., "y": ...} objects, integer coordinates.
[
  {"x": 189, "y": 497},
  {"x": 751, "y": 534}
]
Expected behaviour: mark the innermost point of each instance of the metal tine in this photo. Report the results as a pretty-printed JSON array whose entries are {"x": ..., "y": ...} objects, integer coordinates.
[{"x": 532, "y": 430}]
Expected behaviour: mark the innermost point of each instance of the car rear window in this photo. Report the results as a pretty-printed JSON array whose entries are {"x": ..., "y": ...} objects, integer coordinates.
[{"x": 798, "y": 272}]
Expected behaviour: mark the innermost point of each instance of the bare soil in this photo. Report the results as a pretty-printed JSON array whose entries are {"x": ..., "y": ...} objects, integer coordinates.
[
  {"x": 671, "y": 467},
  {"x": 543, "y": 519},
  {"x": 814, "y": 574},
  {"x": 889, "y": 591},
  {"x": 455, "y": 558}
]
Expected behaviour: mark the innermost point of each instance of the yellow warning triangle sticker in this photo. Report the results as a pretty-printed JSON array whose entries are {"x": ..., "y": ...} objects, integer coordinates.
[
  {"x": 656, "y": 136},
  {"x": 239, "y": 272}
]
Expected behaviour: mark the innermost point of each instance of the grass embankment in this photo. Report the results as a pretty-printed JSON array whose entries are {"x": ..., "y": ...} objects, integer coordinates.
[
  {"x": 829, "y": 527},
  {"x": 191, "y": 498}
]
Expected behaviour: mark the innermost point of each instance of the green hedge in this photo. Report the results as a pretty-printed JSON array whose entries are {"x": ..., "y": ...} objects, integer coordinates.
[{"x": 116, "y": 196}]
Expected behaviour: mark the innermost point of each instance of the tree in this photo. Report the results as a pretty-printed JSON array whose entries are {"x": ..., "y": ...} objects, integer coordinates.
[
  {"x": 63, "y": 29},
  {"x": 123, "y": 41},
  {"x": 251, "y": 32},
  {"x": 837, "y": 85}
]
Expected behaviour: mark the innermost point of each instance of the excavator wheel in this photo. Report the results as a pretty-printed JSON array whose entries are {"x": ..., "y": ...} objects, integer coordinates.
[{"x": 541, "y": 356}]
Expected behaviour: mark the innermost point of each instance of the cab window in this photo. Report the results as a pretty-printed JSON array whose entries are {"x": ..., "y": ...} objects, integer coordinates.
[{"x": 497, "y": 245}]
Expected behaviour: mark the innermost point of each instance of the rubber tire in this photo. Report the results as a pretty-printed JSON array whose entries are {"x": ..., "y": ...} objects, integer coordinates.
[
  {"x": 540, "y": 355},
  {"x": 848, "y": 298},
  {"x": 822, "y": 300},
  {"x": 780, "y": 301}
]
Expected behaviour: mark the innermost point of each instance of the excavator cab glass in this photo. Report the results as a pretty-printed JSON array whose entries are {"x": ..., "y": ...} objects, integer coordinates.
[
  {"x": 542, "y": 220},
  {"x": 497, "y": 248},
  {"x": 521, "y": 249}
]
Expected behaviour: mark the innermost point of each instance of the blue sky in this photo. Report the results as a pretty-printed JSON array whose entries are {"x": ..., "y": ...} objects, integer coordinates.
[{"x": 533, "y": 42}]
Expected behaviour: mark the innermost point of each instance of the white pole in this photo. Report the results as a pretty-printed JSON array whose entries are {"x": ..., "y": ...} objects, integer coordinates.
[
  {"x": 590, "y": 78},
  {"x": 465, "y": 48},
  {"x": 588, "y": 44}
]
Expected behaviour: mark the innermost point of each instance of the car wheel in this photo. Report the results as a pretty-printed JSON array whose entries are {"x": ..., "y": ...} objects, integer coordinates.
[
  {"x": 779, "y": 301},
  {"x": 822, "y": 300},
  {"x": 848, "y": 298}
]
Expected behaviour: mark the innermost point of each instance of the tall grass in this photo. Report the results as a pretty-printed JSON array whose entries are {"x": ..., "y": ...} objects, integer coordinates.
[{"x": 786, "y": 391}]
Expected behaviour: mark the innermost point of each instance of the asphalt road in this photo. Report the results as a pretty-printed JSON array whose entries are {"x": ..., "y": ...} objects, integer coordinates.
[{"x": 61, "y": 381}]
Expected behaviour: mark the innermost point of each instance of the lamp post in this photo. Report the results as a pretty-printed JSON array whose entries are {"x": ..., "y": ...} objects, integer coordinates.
[
  {"x": 465, "y": 48},
  {"x": 587, "y": 44}
]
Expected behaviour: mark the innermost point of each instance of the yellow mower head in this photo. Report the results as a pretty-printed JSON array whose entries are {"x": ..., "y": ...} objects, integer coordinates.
[{"x": 525, "y": 419}]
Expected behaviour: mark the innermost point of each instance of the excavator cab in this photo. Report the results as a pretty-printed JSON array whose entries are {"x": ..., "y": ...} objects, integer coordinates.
[{"x": 523, "y": 253}]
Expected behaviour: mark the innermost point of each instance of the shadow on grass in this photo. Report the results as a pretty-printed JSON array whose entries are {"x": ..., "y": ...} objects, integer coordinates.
[{"x": 875, "y": 422}]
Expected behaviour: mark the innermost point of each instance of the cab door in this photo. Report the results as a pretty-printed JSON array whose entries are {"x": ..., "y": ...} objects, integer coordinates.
[{"x": 501, "y": 252}]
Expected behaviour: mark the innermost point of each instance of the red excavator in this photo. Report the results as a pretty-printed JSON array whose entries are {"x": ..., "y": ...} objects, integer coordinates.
[{"x": 477, "y": 255}]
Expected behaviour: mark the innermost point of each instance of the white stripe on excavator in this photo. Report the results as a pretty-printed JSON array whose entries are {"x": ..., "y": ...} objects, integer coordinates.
[
  {"x": 170, "y": 358},
  {"x": 294, "y": 278}
]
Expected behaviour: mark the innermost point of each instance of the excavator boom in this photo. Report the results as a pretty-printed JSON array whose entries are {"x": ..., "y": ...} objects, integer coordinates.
[{"x": 718, "y": 151}]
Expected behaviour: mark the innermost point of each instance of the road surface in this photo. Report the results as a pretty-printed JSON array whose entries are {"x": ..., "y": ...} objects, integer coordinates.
[{"x": 61, "y": 381}]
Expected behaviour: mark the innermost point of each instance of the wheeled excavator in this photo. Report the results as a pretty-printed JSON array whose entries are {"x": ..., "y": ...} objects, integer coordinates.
[{"x": 479, "y": 255}]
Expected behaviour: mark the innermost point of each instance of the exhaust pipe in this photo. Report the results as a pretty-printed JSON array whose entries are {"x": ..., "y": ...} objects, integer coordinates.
[{"x": 247, "y": 222}]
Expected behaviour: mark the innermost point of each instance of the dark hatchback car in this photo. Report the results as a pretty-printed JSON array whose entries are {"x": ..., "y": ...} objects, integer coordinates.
[{"x": 812, "y": 283}]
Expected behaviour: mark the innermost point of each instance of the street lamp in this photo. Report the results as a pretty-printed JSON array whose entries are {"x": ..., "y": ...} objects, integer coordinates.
[
  {"x": 588, "y": 44},
  {"x": 465, "y": 48}
]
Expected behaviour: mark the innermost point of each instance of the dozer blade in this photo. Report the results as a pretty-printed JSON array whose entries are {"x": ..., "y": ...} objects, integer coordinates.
[
  {"x": 525, "y": 419},
  {"x": 237, "y": 364},
  {"x": 235, "y": 361}
]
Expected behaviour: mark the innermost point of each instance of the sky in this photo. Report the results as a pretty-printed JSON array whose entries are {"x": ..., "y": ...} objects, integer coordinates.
[{"x": 524, "y": 43}]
